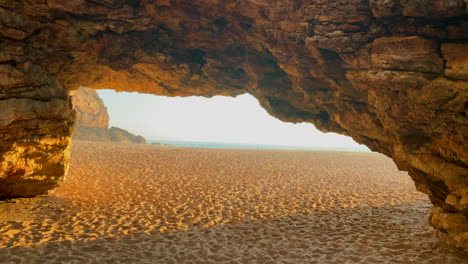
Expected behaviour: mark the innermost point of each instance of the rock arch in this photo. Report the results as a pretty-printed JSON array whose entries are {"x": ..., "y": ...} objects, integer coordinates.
[{"x": 391, "y": 74}]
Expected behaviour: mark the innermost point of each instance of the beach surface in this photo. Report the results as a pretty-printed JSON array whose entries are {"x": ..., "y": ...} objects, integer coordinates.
[{"x": 125, "y": 203}]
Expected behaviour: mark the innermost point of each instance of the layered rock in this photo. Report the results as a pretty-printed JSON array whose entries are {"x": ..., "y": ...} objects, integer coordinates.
[
  {"x": 92, "y": 120},
  {"x": 390, "y": 74}
]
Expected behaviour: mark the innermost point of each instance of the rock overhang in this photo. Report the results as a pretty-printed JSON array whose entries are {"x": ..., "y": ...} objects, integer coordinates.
[{"x": 391, "y": 74}]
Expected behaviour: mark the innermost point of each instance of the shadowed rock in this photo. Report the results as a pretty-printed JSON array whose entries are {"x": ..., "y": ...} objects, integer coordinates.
[{"x": 390, "y": 74}]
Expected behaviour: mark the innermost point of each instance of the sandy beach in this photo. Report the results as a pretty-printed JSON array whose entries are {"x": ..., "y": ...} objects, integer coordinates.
[{"x": 125, "y": 203}]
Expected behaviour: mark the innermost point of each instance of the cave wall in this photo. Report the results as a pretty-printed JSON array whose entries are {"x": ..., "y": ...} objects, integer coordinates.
[{"x": 391, "y": 74}]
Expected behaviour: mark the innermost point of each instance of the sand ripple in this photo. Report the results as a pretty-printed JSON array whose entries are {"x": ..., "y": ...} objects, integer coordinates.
[{"x": 157, "y": 204}]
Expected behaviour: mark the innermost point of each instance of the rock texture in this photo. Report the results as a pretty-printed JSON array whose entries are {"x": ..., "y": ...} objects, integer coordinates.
[
  {"x": 92, "y": 120},
  {"x": 90, "y": 109},
  {"x": 391, "y": 74}
]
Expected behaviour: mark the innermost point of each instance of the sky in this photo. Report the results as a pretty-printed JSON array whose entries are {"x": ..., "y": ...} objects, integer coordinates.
[{"x": 217, "y": 119}]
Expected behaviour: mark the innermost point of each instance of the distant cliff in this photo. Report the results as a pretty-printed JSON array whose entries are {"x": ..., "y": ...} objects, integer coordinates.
[{"x": 92, "y": 120}]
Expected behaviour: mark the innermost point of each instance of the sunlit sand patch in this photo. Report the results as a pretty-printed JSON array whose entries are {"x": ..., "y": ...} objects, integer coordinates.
[{"x": 132, "y": 203}]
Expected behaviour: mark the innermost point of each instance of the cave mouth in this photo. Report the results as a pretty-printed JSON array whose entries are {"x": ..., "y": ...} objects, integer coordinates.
[
  {"x": 391, "y": 75},
  {"x": 219, "y": 121},
  {"x": 162, "y": 194},
  {"x": 215, "y": 189}
]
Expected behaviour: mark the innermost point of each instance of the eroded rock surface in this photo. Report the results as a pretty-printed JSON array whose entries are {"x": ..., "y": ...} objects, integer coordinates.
[
  {"x": 90, "y": 109},
  {"x": 92, "y": 120},
  {"x": 391, "y": 74}
]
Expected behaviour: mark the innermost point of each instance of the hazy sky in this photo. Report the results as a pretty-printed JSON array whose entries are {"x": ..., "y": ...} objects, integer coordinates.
[{"x": 217, "y": 119}]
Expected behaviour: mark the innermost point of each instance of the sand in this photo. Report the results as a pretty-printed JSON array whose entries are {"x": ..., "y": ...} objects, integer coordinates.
[{"x": 158, "y": 204}]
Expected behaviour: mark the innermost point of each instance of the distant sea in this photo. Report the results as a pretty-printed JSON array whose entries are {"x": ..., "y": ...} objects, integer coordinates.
[{"x": 222, "y": 145}]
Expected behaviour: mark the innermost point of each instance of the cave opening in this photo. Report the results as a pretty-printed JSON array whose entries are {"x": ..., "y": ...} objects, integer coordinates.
[
  {"x": 161, "y": 197},
  {"x": 219, "y": 121},
  {"x": 392, "y": 76},
  {"x": 166, "y": 193}
]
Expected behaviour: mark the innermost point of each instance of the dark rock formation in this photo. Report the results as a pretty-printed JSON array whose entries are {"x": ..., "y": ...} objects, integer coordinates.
[
  {"x": 92, "y": 120},
  {"x": 391, "y": 74}
]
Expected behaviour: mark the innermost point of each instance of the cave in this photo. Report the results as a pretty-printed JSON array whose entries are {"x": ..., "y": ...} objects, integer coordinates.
[{"x": 393, "y": 75}]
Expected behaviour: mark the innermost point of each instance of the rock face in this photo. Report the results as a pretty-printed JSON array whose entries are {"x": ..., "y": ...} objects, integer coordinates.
[
  {"x": 391, "y": 74},
  {"x": 90, "y": 109},
  {"x": 92, "y": 120}
]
